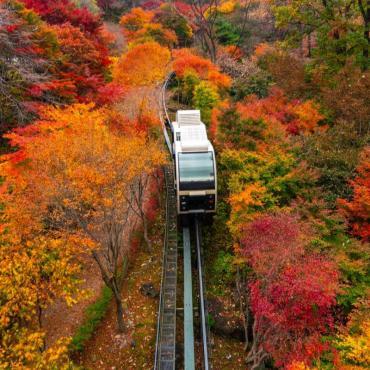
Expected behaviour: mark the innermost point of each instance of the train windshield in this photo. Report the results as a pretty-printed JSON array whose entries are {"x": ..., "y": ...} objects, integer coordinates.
[{"x": 196, "y": 171}]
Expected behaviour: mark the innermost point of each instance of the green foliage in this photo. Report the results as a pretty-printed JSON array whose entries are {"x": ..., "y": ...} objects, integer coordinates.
[
  {"x": 205, "y": 98},
  {"x": 226, "y": 32},
  {"x": 240, "y": 133},
  {"x": 174, "y": 21},
  {"x": 91, "y": 5},
  {"x": 339, "y": 27},
  {"x": 222, "y": 269},
  {"x": 258, "y": 84},
  {"x": 211, "y": 321},
  {"x": 352, "y": 256},
  {"x": 94, "y": 315},
  {"x": 355, "y": 268},
  {"x": 335, "y": 154},
  {"x": 334, "y": 50},
  {"x": 187, "y": 85},
  {"x": 272, "y": 170}
]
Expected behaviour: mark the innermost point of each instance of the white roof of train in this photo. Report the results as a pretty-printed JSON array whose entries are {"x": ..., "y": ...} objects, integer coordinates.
[{"x": 191, "y": 131}]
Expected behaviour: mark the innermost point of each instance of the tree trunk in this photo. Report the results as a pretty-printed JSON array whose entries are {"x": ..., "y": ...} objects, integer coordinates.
[
  {"x": 119, "y": 309},
  {"x": 39, "y": 314},
  {"x": 366, "y": 47},
  {"x": 366, "y": 17},
  {"x": 148, "y": 242},
  {"x": 121, "y": 326}
]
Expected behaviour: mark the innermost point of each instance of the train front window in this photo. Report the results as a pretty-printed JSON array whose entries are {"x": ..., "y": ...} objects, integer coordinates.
[{"x": 196, "y": 171}]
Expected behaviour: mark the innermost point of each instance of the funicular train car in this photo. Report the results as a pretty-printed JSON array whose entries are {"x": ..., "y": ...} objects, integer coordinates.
[{"x": 195, "y": 164}]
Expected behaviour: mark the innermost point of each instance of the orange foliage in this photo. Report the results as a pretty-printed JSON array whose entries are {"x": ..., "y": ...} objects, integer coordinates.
[
  {"x": 138, "y": 26},
  {"x": 82, "y": 62},
  {"x": 185, "y": 61},
  {"x": 358, "y": 209},
  {"x": 219, "y": 79},
  {"x": 232, "y": 50},
  {"x": 215, "y": 117},
  {"x": 249, "y": 197},
  {"x": 134, "y": 21},
  {"x": 145, "y": 64},
  {"x": 276, "y": 109},
  {"x": 262, "y": 49}
]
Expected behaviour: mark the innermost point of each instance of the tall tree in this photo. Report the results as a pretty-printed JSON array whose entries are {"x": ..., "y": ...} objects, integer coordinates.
[
  {"x": 143, "y": 65},
  {"x": 358, "y": 209},
  {"x": 340, "y": 27},
  {"x": 79, "y": 176},
  {"x": 292, "y": 291}
]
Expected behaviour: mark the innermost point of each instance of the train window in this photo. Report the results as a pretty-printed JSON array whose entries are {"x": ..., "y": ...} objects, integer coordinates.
[{"x": 196, "y": 171}]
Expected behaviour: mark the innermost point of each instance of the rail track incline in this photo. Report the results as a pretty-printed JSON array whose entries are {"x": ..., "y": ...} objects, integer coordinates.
[{"x": 165, "y": 351}]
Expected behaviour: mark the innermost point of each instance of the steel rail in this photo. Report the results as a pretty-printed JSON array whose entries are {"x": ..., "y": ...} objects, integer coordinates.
[
  {"x": 163, "y": 109},
  {"x": 165, "y": 339},
  {"x": 189, "y": 353},
  {"x": 165, "y": 349},
  {"x": 201, "y": 297}
]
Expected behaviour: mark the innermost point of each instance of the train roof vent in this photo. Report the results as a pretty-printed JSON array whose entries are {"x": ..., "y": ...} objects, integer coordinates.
[
  {"x": 188, "y": 117},
  {"x": 194, "y": 139}
]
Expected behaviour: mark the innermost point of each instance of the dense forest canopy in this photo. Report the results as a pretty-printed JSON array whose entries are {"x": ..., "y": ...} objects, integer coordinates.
[{"x": 283, "y": 87}]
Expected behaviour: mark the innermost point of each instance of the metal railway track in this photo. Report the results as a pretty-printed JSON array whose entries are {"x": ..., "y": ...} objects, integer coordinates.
[
  {"x": 165, "y": 351},
  {"x": 165, "y": 354},
  {"x": 202, "y": 300}
]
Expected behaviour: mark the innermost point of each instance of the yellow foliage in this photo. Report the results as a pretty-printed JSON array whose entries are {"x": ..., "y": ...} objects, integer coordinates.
[
  {"x": 65, "y": 186},
  {"x": 357, "y": 346},
  {"x": 297, "y": 366},
  {"x": 227, "y": 7},
  {"x": 354, "y": 340},
  {"x": 28, "y": 353}
]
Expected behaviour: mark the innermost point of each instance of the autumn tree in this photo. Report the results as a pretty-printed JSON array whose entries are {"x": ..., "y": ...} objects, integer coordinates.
[
  {"x": 353, "y": 340},
  {"x": 91, "y": 5},
  {"x": 205, "y": 98},
  {"x": 64, "y": 11},
  {"x": 28, "y": 59},
  {"x": 357, "y": 210},
  {"x": 254, "y": 182},
  {"x": 37, "y": 266},
  {"x": 295, "y": 115},
  {"x": 82, "y": 63},
  {"x": 80, "y": 174},
  {"x": 202, "y": 16},
  {"x": 196, "y": 73},
  {"x": 343, "y": 93},
  {"x": 143, "y": 65},
  {"x": 140, "y": 26},
  {"x": 169, "y": 18},
  {"x": 112, "y": 8},
  {"x": 186, "y": 59},
  {"x": 341, "y": 28},
  {"x": 137, "y": 203},
  {"x": 43, "y": 64},
  {"x": 335, "y": 154},
  {"x": 34, "y": 273},
  {"x": 292, "y": 292}
]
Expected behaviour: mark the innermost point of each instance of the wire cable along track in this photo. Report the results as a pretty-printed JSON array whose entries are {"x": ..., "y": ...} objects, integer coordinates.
[{"x": 165, "y": 351}]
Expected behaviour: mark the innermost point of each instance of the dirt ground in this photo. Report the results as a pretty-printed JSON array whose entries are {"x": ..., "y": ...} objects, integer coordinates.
[
  {"x": 59, "y": 320},
  {"x": 134, "y": 349}
]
